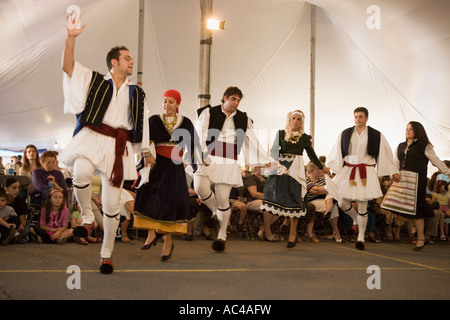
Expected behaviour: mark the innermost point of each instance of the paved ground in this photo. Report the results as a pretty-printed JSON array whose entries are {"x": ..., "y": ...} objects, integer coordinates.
[{"x": 247, "y": 270}]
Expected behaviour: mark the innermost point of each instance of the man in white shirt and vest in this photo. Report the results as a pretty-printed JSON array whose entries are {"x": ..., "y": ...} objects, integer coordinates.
[
  {"x": 224, "y": 131},
  {"x": 112, "y": 125},
  {"x": 361, "y": 155}
]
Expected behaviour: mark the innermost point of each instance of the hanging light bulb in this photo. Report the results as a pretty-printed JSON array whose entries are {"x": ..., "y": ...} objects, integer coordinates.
[{"x": 214, "y": 24}]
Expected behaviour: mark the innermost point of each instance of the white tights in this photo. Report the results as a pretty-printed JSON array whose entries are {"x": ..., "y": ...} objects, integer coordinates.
[
  {"x": 359, "y": 217},
  {"x": 83, "y": 172},
  {"x": 218, "y": 201}
]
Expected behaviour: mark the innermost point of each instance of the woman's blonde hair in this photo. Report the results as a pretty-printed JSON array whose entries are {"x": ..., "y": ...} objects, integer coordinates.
[{"x": 288, "y": 129}]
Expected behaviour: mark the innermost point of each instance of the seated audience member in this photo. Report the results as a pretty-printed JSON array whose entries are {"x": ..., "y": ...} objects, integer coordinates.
[
  {"x": 318, "y": 196},
  {"x": 12, "y": 165},
  {"x": 126, "y": 209},
  {"x": 202, "y": 213},
  {"x": 254, "y": 193},
  {"x": 96, "y": 200},
  {"x": 54, "y": 222},
  {"x": 373, "y": 210},
  {"x": 12, "y": 189},
  {"x": 75, "y": 218},
  {"x": 47, "y": 178},
  {"x": 237, "y": 202},
  {"x": 79, "y": 235},
  {"x": 443, "y": 176},
  {"x": 8, "y": 220},
  {"x": 441, "y": 195},
  {"x": 245, "y": 172},
  {"x": 30, "y": 163}
]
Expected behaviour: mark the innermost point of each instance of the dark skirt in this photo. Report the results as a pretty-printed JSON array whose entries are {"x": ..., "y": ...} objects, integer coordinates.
[
  {"x": 163, "y": 203},
  {"x": 423, "y": 208},
  {"x": 282, "y": 195}
]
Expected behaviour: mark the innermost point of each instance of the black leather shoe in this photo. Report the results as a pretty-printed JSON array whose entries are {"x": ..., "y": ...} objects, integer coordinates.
[
  {"x": 420, "y": 248},
  {"x": 149, "y": 245},
  {"x": 218, "y": 245},
  {"x": 360, "y": 245},
  {"x": 165, "y": 258},
  {"x": 290, "y": 244},
  {"x": 106, "y": 266}
]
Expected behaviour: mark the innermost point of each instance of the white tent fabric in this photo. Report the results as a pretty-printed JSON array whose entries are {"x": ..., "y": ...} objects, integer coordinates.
[{"x": 400, "y": 72}]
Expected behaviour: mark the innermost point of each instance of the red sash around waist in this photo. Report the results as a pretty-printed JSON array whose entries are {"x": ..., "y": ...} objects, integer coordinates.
[
  {"x": 121, "y": 136},
  {"x": 225, "y": 150},
  {"x": 362, "y": 172},
  {"x": 170, "y": 153}
]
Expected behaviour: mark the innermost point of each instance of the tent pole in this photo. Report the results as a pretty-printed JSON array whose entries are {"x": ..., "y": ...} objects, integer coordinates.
[
  {"x": 140, "y": 64},
  {"x": 313, "y": 73},
  {"x": 204, "y": 95}
]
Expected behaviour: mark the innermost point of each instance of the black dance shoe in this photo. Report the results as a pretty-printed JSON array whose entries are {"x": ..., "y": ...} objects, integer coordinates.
[
  {"x": 149, "y": 245},
  {"x": 164, "y": 258},
  {"x": 291, "y": 244},
  {"x": 106, "y": 266},
  {"x": 218, "y": 245},
  {"x": 360, "y": 245}
]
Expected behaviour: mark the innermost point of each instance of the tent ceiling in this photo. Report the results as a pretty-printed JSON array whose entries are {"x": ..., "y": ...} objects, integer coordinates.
[{"x": 399, "y": 72}]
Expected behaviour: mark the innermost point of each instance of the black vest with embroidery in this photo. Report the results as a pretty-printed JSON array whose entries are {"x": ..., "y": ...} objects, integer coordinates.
[
  {"x": 415, "y": 160},
  {"x": 373, "y": 141},
  {"x": 216, "y": 121},
  {"x": 99, "y": 96}
]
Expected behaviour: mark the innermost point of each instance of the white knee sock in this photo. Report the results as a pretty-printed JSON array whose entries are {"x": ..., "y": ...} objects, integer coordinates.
[
  {"x": 223, "y": 217},
  {"x": 362, "y": 223},
  {"x": 110, "y": 225},
  {"x": 83, "y": 196}
]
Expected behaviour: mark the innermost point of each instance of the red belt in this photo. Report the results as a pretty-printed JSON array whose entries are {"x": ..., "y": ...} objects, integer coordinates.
[
  {"x": 169, "y": 152},
  {"x": 121, "y": 136},
  {"x": 225, "y": 150},
  {"x": 362, "y": 172}
]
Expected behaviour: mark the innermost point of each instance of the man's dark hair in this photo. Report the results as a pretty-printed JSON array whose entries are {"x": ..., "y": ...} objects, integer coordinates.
[
  {"x": 232, "y": 91},
  {"x": 362, "y": 109},
  {"x": 114, "y": 53}
]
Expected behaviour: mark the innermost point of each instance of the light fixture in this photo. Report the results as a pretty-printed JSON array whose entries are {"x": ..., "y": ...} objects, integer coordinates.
[
  {"x": 55, "y": 145},
  {"x": 214, "y": 24}
]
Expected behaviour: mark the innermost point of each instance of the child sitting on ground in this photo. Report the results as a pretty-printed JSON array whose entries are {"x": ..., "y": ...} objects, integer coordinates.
[
  {"x": 8, "y": 220},
  {"x": 54, "y": 220}
]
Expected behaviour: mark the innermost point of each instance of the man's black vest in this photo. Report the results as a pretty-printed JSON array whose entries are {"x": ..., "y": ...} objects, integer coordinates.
[
  {"x": 373, "y": 141},
  {"x": 217, "y": 119},
  {"x": 97, "y": 102},
  {"x": 416, "y": 160}
]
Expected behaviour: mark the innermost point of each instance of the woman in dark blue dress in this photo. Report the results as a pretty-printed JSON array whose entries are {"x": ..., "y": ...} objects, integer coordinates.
[
  {"x": 163, "y": 204},
  {"x": 284, "y": 194}
]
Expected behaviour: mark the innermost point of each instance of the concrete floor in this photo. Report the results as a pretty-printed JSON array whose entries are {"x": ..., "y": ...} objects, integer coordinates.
[{"x": 247, "y": 270}]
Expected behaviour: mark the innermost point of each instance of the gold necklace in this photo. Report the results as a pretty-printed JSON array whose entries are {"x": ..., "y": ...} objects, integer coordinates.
[
  {"x": 295, "y": 138},
  {"x": 170, "y": 124}
]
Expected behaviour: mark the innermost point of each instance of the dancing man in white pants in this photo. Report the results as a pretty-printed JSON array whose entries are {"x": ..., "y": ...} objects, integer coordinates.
[
  {"x": 361, "y": 155},
  {"x": 223, "y": 132},
  {"x": 112, "y": 125}
]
